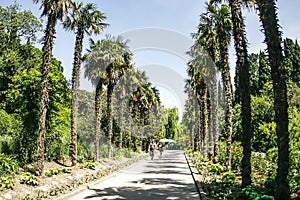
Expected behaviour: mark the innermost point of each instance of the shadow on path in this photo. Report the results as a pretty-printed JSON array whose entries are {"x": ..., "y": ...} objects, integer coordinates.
[{"x": 157, "y": 189}]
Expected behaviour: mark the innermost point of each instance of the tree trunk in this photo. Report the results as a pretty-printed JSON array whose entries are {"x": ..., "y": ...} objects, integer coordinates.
[
  {"x": 197, "y": 128},
  {"x": 122, "y": 100},
  {"x": 209, "y": 123},
  {"x": 44, "y": 98},
  {"x": 98, "y": 115},
  {"x": 213, "y": 92},
  {"x": 203, "y": 127},
  {"x": 109, "y": 119},
  {"x": 228, "y": 94},
  {"x": 75, "y": 86},
  {"x": 268, "y": 17},
  {"x": 243, "y": 88}
]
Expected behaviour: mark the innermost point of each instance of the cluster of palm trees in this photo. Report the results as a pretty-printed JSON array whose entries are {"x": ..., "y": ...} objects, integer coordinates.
[
  {"x": 217, "y": 26},
  {"x": 81, "y": 19},
  {"x": 106, "y": 62}
]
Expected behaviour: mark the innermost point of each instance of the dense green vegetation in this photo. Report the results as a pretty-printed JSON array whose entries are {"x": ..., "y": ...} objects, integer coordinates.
[
  {"x": 22, "y": 72},
  {"x": 260, "y": 159}
]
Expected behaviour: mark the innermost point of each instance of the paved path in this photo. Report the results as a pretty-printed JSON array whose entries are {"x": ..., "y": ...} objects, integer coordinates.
[{"x": 168, "y": 178}]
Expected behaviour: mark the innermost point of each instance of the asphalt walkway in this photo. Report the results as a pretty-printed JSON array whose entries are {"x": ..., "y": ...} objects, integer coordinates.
[{"x": 168, "y": 178}]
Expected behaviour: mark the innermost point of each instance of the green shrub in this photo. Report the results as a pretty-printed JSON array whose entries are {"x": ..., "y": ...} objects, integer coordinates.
[
  {"x": 216, "y": 168},
  {"x": 219, "y": 191},
  {"x": 6, "y": 182},
  {"x": 295, "y": 183},
  {"x": 236, "y": 156},
  {"x": 251, "y": 194},
  {"x": 228, "y": 178},
  {"x": 103, "y": 151},
  {"x": 29, "y": 179},
  {"x": 127, "y": 153},
  {"x": 89, "y": 165},
  {"x": 8, "y": 166},
  {"x": 52, "y": 172},
  {"x": 67, "y": 170}
]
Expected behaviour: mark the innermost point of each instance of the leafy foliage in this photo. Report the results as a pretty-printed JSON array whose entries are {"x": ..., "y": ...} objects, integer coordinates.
[
  {"x": 89, "y": 165},
  {"x": 51, "y": 172},
  {"x": 29, "y": 179},
  {"x": 66, "y": 170},
  {"x": 228, "y": 178},
  {"x": 251, "y": 194},
  {"x": 170, "y": 126},
  {"x": 7, "y": 166},
  {"x": 6, "y": 182}
]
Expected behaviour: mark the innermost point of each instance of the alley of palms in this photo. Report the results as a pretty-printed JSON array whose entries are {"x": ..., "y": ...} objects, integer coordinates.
[{"x": 232, "y": 134}]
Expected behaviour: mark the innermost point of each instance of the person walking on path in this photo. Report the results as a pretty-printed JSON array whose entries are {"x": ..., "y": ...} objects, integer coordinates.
[
  {"x": 160, "y": 149},
  {"x": 152, "y": 148}
]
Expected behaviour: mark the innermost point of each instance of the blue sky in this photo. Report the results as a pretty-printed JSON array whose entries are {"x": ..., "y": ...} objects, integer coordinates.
[{"x": 176, "y": 17}]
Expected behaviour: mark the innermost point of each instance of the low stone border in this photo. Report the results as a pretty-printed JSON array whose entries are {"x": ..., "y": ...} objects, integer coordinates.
[{"x": 197, "y": 178}]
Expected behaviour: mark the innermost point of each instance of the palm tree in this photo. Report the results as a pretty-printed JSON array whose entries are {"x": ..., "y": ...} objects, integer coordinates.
[
  {"x": 84, "y": 19},
  {"x": 223, "y": 27},
  {"x": 206, "y": 38},
  {"x": 198, "y": 86},
  {"x": 242, "y": 67},
  {"x": 54, "y": 10},
  {"x": 106, "y": 61},
  {"x": 114, "y": 72},
  {"x": 142, "y": 100},
  {"x": 268, "y": 17},
  {"x": 242, "y": 82}
]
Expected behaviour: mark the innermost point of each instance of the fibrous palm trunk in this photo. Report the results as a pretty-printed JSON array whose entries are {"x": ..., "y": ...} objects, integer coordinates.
[
  {"x": 197, "y": 127},
  {"x": 121, "y": 118},
  {"x": 268, "y": 17},
  {"x": 209, "y": 123},
  {"x": 75, "y": 86},
  {"x": 98, "y": 114},
  {"x": 203, "y": 127},
  {"x": 109, "y": 119},
  {"x": 214, "y": 103},
  {"x": 242, "y": 66},
  {"x": 228, "y": 95},
  {"x": 45, "y": 70}
]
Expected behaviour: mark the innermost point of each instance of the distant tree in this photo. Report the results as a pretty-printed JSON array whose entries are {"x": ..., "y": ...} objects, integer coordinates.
[
  {"x": 170, "y": 125},
  {"x": 292, "y": 60},
  {"x": 107, "y": 61},
  {"x": 18, "y": 24},
  {"x": 142, "y": 100},
  {"x": 198, "y": 86},
  {"x": 15, "y": 25}
]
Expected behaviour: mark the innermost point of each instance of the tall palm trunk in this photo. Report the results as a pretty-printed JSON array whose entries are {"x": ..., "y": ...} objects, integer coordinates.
[
  {"x": 45, "y": 70},
  {"x": 268, "y": 17},
  {"x": 109, "y": 118},
  {"x": 121, "y": 118},
  {"x": 203, "y": 127},
  {"x": 197, "y": 127},
  {"x": 75, "y": 86},
  {"x": 213, "y": 92},
  {"x": 242, "y": 66},
  {"x": 209, "y": 122},
  {"x": 228, "y": 94},
  {"x": 214, "y": 115},
  {"x": 98, "y": 113}
]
